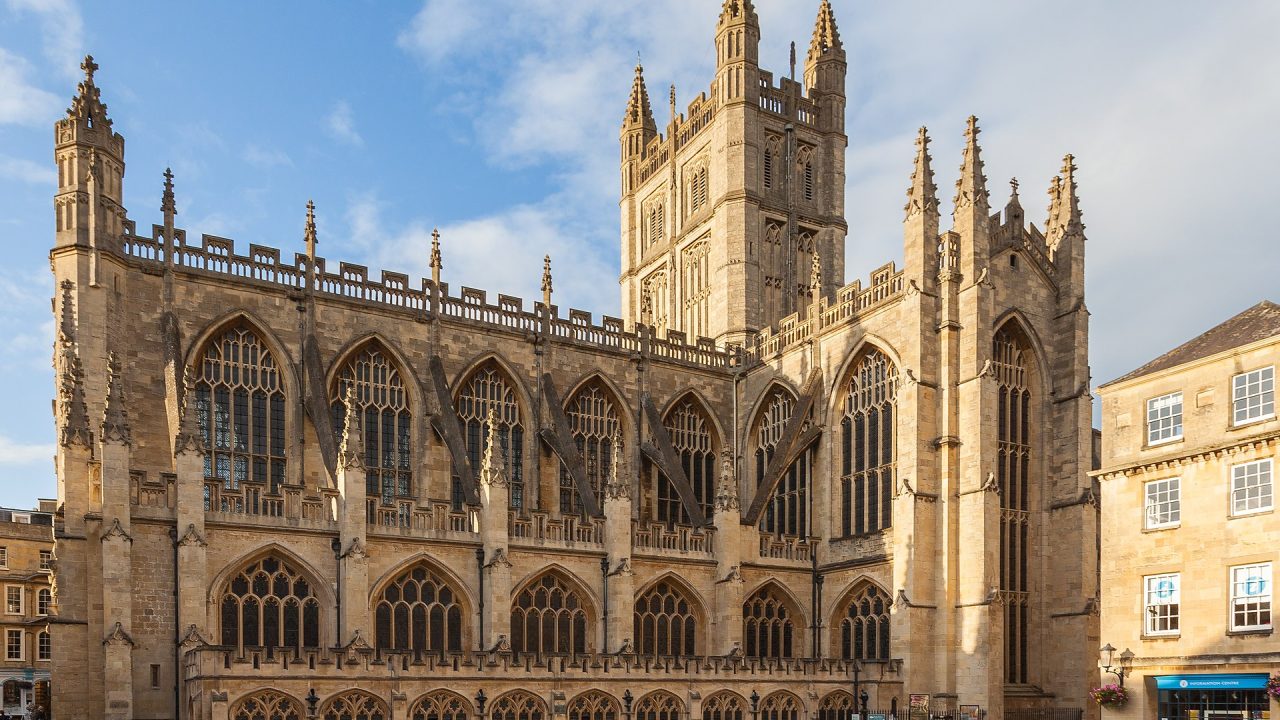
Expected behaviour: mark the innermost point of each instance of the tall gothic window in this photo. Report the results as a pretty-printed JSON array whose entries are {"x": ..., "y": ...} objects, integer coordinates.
[
  {"x": 267, "y": 705},
  {"x": 270, "y": 604},
  {"x": 723, "y": 705},
  {"x": 594, "y": 705},
  {"x": 804, "y": 164},
  {"x": 696, "y": 288},
  {"x": 690, "y": 430},
  {"x": 659, "y": 705},
  {"x": 699, "y": 190},
  {"x": 489, "y": 386},
  {"x": 665, "y": 623},
  {"x": 769, "y": 161},
  {"x": 1011, "y": 361},
  {"x": 868, "y": 432},
  {"x": 864, "y": 625},
  {"x": 768, "y": 624},
  {"x": 518, "y": 705},
  {"x": 549, "y": 617},
  {"x": 441, "y": 705},
  {"x": 780, "y": 706},
  {"x": 240, "y": 406},
  {"x": 593, "y": 422},
  {"x": 355, "y": 705},
  {"x": 419, "y": 610},
  {"x": 653, "y": 301},
  {"x": 836, "y": 705},
  {"x": 771, "y": 264},
  {"x": 787, "y": 512},
  {"x": 384, "y": 408}
]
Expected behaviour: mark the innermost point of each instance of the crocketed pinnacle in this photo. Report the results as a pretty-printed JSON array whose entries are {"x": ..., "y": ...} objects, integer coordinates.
[
  {"x": 971, "y": 188},
  {"x": 167, "y": 204},
  {"x": 309, "y": 234},
  {"x": 436, "y": 264},
  {"x": 115, "y": 416},
  {"x": 727, "y": 485},
  {"x": 67, "y": 315},
  {"x": 815, "y": 274},
  {"x": 351, "y": 451},
  {"x": 546, "y": 280},
  {"x": 639, "y": 111},
  {"x": 1069, "y": 201},
  {"x": 87, "y": 104},
  {"x": 616, "y": 487},
  {"x": 826, "y": 36},
  {"x": 493, "y": 467},
  {"x": 72, "y": 412},
  {"x": 922, "y": 196},
  {"x": 189, "y": 438}
]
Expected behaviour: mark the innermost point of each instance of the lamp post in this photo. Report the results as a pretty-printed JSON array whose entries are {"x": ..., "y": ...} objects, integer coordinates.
[
  {"x": 480, "y": 700},
  {"x": 755, "y": 705},
  {"x": 1108, "y": 659},
  {"x": 312, "y": 701},
  {"x": 857, "y": 671},
  {"x": 626, "y": 704},
  {"x": 863, "y": 697}
]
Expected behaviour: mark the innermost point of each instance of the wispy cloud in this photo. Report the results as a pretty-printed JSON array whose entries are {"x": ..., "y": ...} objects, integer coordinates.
[
  {"x": 13, "y": 452},
  {"x": 22, "y": 103},
  {"x": 27, "y": 171},
  {"x": 63, "y": 32},
  {"x": 341, "y": 124},
  {"x": 266, "y": 157}
]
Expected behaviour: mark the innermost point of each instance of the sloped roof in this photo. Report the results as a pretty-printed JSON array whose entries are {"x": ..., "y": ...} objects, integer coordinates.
[{"x": 1257, "y": 323}]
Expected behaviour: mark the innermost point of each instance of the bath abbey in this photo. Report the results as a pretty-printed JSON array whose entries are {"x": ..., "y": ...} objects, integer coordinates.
[{"x": 291, "y": 487}]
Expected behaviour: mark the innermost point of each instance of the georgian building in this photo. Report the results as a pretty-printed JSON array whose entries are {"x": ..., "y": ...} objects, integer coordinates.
[
  {"x": 26, "y": 569},
  {"x": 290, "y": 484}
]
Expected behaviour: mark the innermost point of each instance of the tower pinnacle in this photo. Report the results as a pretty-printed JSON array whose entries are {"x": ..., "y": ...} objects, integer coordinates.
[
  {"x": 738, "y": 11},
  {"x": 351, "y": 451},
  {"x": 436, "y": 264},
  {"x": 1064, "y": 205},
  {"x": 826, "y": 36},
  {"x": 87, "y": 104},
  {"x": 167, "y": 205},
  {"x": 1013, "y": 209},
  {"x": 546, "y": 280},
  {"x": 639, "y": 111},
  {"x": 971, "y": 188},
  {"x": 309, "y": 234},
  {"x": 922, "y": 196},
  {"x": 493, "y": 468}
]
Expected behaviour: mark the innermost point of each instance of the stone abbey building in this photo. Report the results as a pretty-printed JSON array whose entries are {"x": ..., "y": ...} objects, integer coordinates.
[{"x": 289, "y": 486}]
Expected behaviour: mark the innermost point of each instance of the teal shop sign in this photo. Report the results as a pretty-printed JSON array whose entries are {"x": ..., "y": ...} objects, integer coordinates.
[{"x": 1211, "y": 682}]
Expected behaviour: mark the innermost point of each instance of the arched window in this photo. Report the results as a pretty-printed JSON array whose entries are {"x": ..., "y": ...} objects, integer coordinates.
[
  {"x": 698, "y": 188},
  {"x": 868, "y": 432},
  {"x": 665, "y": 623},
  {"x": 768, "y": 624},
  {"x": 489, "y": 386},
  {"x": 780, "y": 706},
  {"x": 594, "y": 705},
  {"x": 440, "y": 705},
  {"x": 518, "y": 705},
  {"x": 267, "y": 705},
  {"x": 723, "y": 705},
  {"x": 241, "y": 413},
  {"x": 864, "y": 625},
  {"x": 836, "y": 705},
  {"x": 44, "y": 598},
  {"x": 593, "y": 421},
  {"x": 419, "y": 610},
  {"x": 804, "y": 164},
  {"x": 659, "y": 705},
  {"x": 656, "y": 216},
  {"x": 690, "y": 430},
  {"x": 44, "y": 646},
  {"x": 787, "y": 512},
  {"x": 549, "y": 616},
  {"x": 1011, "y": 361},
  {"x": 355, "y": 705},
  {"x": 270, "y": 604},
  {"x": 384, "y": 407},
  {"x": 695, "y": 288}
]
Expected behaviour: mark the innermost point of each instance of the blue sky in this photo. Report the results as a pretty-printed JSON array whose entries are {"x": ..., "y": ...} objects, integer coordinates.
[{"x": 497, "y": 121}]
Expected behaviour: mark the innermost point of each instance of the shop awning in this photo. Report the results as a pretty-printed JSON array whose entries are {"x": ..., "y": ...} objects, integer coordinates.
[{"x": 1212, "y": 682}]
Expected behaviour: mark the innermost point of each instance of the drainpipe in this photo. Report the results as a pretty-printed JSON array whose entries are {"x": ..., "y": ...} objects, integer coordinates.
[
  {"x": 604, "y": 575},
  {"x": 480, "y": 604},
  {"x": 177, "y": 635},
  {"x": 336, "y": 545}
]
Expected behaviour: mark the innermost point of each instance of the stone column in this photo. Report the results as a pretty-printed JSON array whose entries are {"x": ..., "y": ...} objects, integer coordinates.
[
  {"x": 495, "y": 493},
  {"x": 189, "y": 450},
  {"x": 725, "y": 634},
  {"x": 117, "y": 547},
  {"x": 352, "y": 526},
  {"x": 617, "y": 546}
]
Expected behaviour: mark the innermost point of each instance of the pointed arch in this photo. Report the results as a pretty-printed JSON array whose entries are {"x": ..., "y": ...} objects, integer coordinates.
[
  {"x": 1012, "y": 319},
  {"x": 241, "y": 384},
  {"x": 385, "y": 395},
  {"x": 787, "y": 508},
  {"x": 441, "y": 705},
  {"x": 860, "y": 626},
  {"x": 659, "y": 705},
  {"x": 668, "y": 618},
  {"x": 866, "y": 403},
  {"x": 724, "y": 705},
  {"x": 355, "y": 705},
  {"x": 325, "y": 594},
  {"x": 518, "y": 705},
  {"x": 772, "y": 622},
  {"x": 267, "y": 704},
  {"x": 697, "y": 443},
  {"x": 781, "y": 705},
  {"x": 693, "y": 395},
  {"x": 263, "y": 330},
  {"x": 269, "y": 599},
  {"x": 552, "y": 612},
  {"x": 593, "y": 705},
  {"x": 836, "y": 705},
  {"x": 597, "y": 417},
  {"x": 859, "y": 348},
  {"x": 396, "y": 356},
  {"x": 421, "y": 606},
  {"x": 488, "y": 382}
]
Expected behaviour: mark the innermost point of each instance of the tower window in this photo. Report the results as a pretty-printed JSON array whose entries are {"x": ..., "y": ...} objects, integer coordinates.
[{"x": 808, "y": 181}]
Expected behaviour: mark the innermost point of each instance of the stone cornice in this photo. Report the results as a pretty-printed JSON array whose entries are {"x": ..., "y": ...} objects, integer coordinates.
[{"x": 1208, "y": 452}]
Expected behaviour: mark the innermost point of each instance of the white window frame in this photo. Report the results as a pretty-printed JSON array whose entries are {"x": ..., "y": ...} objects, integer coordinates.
[
  {"x": 22, "y": 605},
  {"x": 22, "y": 645},
  {"x": 1158, "y": 421},
  {"x": 1244, "y": 592},
  {"x": 1266, "y": 394},
  {"x": 1263, "y": 471},
  {"x": 4, "y": 557},
  {"x": 46, "y": 561},
  {"x": 1152, "y": 590},
  {"x": 42, "y": 605},
  {"x": 1174, "y": 503},
  {"x": 44, "y": 646}
]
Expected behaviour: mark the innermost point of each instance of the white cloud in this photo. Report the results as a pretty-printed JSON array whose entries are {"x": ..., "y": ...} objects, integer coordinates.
[
  {"x": 27, "y": 171},
  {"x": 13, "y": 452},
  {"x": 266, "y": 157},
  {"x": 63, "y": 29},
  {"x": 20, "y": 102},
  {"x": 341, "y": 125}
]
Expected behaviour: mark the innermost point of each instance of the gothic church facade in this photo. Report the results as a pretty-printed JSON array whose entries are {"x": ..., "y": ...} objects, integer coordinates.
[{"x": 289, "y": 487}]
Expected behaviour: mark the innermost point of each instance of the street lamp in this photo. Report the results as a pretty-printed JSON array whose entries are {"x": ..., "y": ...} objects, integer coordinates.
[
  {"x": 755, "y": 704},
  {"x": 857, "y": 671},
  {"x": 312, "y": 700},
  {"x": 626, "y": 703},
  {"x": 864, "y": 697},
  {"x": 480, "y": 700},
  {"x": 1107, "y": 653}
]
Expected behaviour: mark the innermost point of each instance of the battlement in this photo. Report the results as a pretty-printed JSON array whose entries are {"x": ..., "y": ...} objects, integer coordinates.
[{"x": 851, "y": 303}]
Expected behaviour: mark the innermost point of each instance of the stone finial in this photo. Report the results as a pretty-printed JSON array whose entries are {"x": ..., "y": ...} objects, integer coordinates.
[
  {"x": 66, "y": 314},
  {"x": 971, "y": 188},
  {"x": 922, "y": 196},
  {"x": 639, "y": 111},
  {"x": 1055, "y": 202},
  {"x": 815, "y": 274},
  {"x": 546, "y": 280},
  {"x": 493, "y": 467},
  {"x": 1013, "y": 209},
  {"x": 617, "y": 488},
  {"x": 826, "y": 36},
  {"x": 351, "y": 450},
  {"x": 189, "y": 438},
  {"x": 115, "y": 416},
  {"x": 167, "y": 204},
  {"x": 436, "y": 264},
  {"x": 1069, "y": 209},
  {"x": 309, "y": 234},
  {"x": 73, "y": 413},
  {"x": 727, "y": 485},
  {"x": 87, "y": 104}
]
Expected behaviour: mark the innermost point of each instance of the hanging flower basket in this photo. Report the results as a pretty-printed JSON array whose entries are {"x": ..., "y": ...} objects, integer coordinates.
[
  {"x": 1273, "y": 687},
  {"x": 1112, "y": 696}
]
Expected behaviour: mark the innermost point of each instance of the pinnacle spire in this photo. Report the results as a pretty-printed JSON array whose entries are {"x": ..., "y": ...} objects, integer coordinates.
[
  {"x": 351, "y": 451},
  {"x": 1055, "y": 203},
  {"x": 493, "y": 468},
  {"x": 309, "y": 234},
  {"x": 971, "y": 188},
  {"x": 1013, "y": 208},
  {"x": 1070, "y": 205},
  {"x": 546, "y": 280},
  {"x": 72, "y": 412},
  {"x": 738, "y": 11},
  {"x": 639, "y": 111},
  {"x": 67, "y": 318},
  {"x": 922, "y": 196},
  {"x": 616, "y": 486},
  {"x": 87, "y": 104},
  {"x": 189, "y": 439},
  {"x": 436, "y": 264},
  {"x": 815, "y": 274},
  {"x": 826, "y": 36},
  {"x": 727, "y": 485},
  {"x": 167, "y": 204},
  {"x": 115, "y": 416}
]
